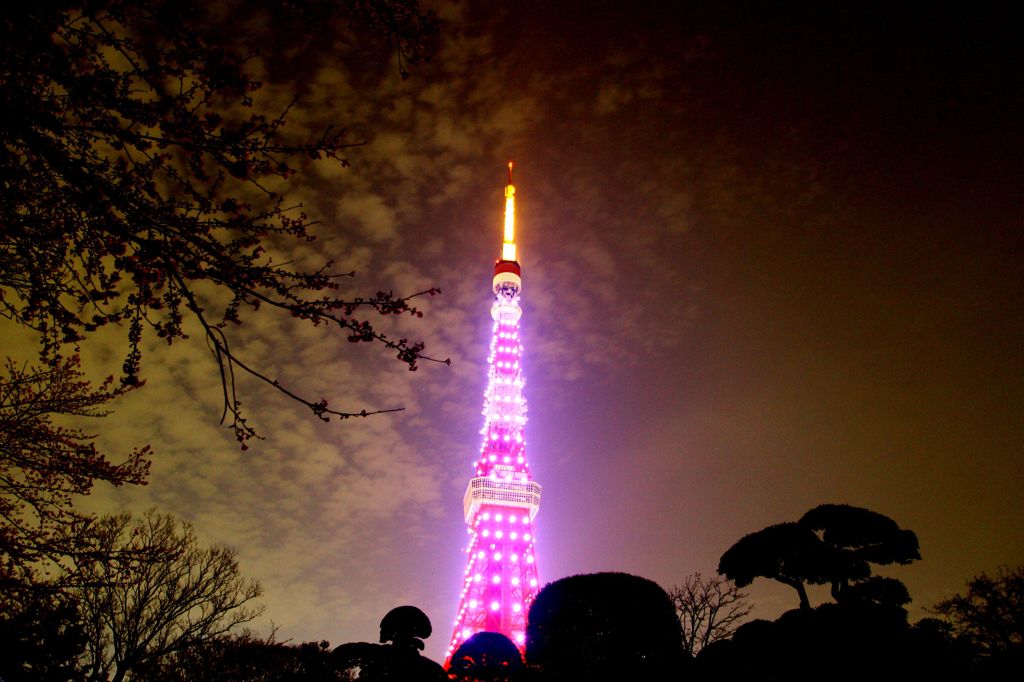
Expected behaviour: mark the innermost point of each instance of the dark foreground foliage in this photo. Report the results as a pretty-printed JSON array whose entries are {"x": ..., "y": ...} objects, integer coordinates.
[
  {"x": 860, "y": 641},
  {"x": 43, "y": 640},
  {"x": 590, "y": 628},
  {"x": 988, "y": 620},
  {"x": 487, "y": 657},
  {"x": 244, "y": 658},
  {"x": 603, "y": 626}
]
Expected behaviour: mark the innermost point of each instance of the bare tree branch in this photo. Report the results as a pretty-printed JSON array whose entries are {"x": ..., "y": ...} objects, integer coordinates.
[
  {"x": 709, "y": 609},
  {"x": 149, "y": 590}
]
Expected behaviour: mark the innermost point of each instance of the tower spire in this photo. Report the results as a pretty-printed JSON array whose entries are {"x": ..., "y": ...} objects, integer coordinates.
[
  {"x": 501, "y": 500},
  {"x": 508, "y": 246}
]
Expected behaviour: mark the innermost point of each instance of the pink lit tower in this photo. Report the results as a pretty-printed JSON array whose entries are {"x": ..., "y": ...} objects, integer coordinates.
[{"x": 501, "y": 500}]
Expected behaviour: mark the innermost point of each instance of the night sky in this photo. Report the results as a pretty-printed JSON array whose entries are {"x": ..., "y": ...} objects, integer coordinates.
[{"x": 772, "y": 258}]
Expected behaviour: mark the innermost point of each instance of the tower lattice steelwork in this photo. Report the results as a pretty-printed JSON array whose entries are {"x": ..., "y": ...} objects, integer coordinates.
[{"x": 501, "y": 500}]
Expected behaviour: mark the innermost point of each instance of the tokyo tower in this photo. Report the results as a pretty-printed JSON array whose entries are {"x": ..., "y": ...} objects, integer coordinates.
[{"x": 501, "y": 500}]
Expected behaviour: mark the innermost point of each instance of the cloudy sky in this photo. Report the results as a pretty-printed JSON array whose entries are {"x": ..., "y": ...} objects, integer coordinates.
[{"x": 772, "y": 258}]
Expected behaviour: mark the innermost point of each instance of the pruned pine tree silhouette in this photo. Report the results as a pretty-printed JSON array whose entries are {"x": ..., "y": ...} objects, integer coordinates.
[{"x": 397, "y": 658}]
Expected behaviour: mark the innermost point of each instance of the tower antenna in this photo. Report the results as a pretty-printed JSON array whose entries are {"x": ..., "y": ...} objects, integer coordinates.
[{"x": 508, "y": 245}]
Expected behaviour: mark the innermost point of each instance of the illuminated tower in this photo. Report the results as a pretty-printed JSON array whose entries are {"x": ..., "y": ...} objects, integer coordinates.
[{"x": 501, "y": 500}]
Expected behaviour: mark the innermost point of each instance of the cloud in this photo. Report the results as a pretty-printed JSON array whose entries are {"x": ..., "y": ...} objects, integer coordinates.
[{"x": 376, "y": 220}]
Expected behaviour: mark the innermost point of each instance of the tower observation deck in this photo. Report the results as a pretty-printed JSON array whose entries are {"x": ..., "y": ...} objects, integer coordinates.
[{"x": 502, "y": 499}]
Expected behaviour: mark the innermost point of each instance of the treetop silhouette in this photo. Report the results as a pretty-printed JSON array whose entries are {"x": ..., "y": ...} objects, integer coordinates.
[
  {"x": 397, "y": 658},
  {"x": 860, "y": 537},
  {"x": 603, "y": 626},
  {"x": 405, "y": 626},
  {"x": 833, "y": 544},
  {"x": 787, "y": 552}
]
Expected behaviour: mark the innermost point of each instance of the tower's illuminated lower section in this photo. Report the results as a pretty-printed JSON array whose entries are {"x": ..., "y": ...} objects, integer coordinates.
[{"x": 501, "y": 578}]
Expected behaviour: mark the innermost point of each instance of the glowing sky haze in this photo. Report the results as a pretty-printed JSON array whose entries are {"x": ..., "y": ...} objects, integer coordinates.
[{"x": 773, "y": 256}]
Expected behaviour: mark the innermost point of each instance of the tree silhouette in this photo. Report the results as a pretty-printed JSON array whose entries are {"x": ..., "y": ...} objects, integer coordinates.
[
  {"x": 242, "y": 658},
  {"x": 397, "y": 658},
  {"x": 832, "y": 544},
  {"x": 709, "y": 609},
  {"x": 862, "y": 537},
  {"x": 142, "y": 186},
  {"x": 989, "y": 618},
  {"x": 45, "y": 465},
  {"x": 149, "y": 590},
  {"x": 787, "y": 552},
  {"x": 603, "y": 626}
]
